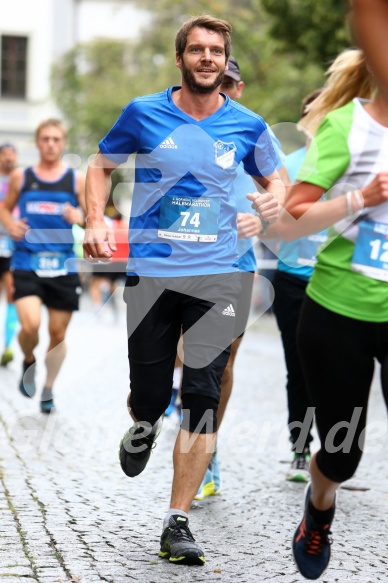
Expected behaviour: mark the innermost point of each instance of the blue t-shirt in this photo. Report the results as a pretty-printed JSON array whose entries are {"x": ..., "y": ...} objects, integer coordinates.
[
  {"x": 298, "y": 257},
  {"x": 183, "y": 215},
  {"x": 294, "y": 161}
]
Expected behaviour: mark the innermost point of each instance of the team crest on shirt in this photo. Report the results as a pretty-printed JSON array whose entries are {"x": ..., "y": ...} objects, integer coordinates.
[{"x": 224, "y": 152}]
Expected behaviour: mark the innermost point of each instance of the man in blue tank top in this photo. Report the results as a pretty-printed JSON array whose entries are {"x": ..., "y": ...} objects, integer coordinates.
[
  {"x": 47, "y": 196},
  {"x": 182, "y": 272}
]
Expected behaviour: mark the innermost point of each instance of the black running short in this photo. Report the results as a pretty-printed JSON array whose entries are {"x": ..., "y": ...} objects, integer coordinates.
[
  {"x": 5, "y": 263},
  {"x": 59, "y": 293},
  {"x": 158, "y": 309}
]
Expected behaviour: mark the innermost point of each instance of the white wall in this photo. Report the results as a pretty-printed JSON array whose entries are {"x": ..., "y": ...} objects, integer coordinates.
[{"x": 54, "y": 27}]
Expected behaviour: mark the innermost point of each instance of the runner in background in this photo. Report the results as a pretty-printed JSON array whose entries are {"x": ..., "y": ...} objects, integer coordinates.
[
  {"x": 295, "y": 266},
  {"x": 297, "y": 257},
  {"x": 47, "y": 195},
  {"x": 8, "y": 160},
  {"x": 343, "y": 325}
]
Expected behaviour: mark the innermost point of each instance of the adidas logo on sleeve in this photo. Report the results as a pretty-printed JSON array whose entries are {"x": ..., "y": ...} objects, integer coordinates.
[
  {"x": 169, "y": 143},
  {"x": 229, "y": 311}
]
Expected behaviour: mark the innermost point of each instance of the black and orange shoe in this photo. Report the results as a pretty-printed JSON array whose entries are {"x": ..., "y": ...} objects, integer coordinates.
[{"x": 311, "y": 544}]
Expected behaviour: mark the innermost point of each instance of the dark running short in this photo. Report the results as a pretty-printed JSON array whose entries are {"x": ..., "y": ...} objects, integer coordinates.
[
  {"x": 158, "y": 309},
  {"x": 5, "y": 263},
  {"x": 59, "y": 293}
]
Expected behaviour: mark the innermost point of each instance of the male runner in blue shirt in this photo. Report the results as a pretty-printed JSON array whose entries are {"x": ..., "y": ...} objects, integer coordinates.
[
  {"x": 182, "y": 271},
  {"x": 47, "y": 195}
]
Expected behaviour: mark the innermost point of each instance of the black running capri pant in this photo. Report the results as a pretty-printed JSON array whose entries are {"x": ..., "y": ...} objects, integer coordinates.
[
  {"x": 337, "y": 356},
  {"x": 158, "y": 309}
]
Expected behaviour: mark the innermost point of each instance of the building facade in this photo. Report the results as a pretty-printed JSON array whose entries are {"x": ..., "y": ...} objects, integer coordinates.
[{"x": 33, "y": 35}]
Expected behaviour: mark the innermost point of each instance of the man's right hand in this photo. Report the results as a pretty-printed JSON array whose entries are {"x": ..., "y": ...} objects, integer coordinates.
[
  {"x": 18, "y": 229},
  {"x": 99, "y": 242}
]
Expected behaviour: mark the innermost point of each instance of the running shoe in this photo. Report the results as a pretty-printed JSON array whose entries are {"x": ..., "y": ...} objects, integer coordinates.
[
  {"x": 47, "y": 406},
  {"x": 171, "y": 408},
  {"x": 178, "y": 545},
  {"x": 311, "y": 544},
  {"x": 136, "y": 446},
  {"x": 211, "y": 483},
  {"x": 207, "y": 486},
  {"x": 6, "y": 357},
  {"x": 27, "y": 382},
  {"x": 300, "y": 467}
]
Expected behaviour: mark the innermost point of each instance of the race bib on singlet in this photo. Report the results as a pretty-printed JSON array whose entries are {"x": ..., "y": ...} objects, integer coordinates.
[
  {"x": 189, "y": 219},
  {"x": 370, "y": 256},
  {"x": 49, "y": 263},
  {"x": 308, "y": 248},
  {"x": 6, "y": 246}
]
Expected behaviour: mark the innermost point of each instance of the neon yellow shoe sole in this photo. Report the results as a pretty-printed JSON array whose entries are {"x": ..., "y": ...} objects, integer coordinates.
[{"x": 6, "y": 357}]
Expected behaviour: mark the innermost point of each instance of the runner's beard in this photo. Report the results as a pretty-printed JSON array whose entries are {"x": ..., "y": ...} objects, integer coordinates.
[{"x": 196, "y": 87}]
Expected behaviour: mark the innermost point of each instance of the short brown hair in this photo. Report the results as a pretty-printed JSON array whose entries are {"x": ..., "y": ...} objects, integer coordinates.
[
  {"x": 48, "y": 123},
  {"x": 205, "y": 21}
]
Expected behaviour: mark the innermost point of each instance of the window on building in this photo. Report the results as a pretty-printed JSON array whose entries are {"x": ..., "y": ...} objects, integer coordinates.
[{"x": 13, "y": 66}]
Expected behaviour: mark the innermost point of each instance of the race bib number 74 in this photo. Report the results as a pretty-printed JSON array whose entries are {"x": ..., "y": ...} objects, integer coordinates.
[{"x": 189, "y": 219}]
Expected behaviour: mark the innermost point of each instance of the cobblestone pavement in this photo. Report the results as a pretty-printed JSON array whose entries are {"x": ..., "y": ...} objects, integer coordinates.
[{"x": 68, "y": 513}]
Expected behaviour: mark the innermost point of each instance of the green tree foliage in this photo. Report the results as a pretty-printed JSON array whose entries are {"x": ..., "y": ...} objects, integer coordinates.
[
  {"x": 90, "y": 84},
  {"x": 315, "y": 31}
]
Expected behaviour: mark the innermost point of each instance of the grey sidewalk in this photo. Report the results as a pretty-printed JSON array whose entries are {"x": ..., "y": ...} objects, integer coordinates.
[{"x": 67, "y": 512}]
